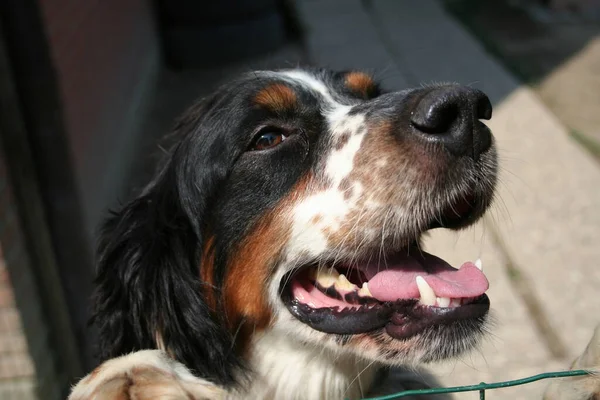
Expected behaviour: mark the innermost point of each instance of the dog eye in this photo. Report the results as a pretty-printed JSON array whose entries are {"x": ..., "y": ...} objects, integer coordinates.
[{"x": 267, "y": 138}]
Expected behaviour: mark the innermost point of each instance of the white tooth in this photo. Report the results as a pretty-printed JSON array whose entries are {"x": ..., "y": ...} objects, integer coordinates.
[
  {"x": 478, "y": 264},
  {"x": 455, "y": 303},
  {"x": 364, "y": 291},
  {"x": 342, "y": 283},
  {"x": 427, "y": 294},
  {"x": 327, "y": 276},
  {"x": 443, "y": 301}
]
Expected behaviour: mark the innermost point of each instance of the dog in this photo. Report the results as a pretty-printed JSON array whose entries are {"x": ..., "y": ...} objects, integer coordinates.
[
  {"x": 585, "y": 387},
  {"x": 277, "y": 252}
]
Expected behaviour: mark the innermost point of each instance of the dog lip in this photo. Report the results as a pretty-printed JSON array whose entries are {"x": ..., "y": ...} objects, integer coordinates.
[
  {"x": 343, "y": 322},
  {"x": 400, "y": 319},
  {"x": 410, "y": 322}
]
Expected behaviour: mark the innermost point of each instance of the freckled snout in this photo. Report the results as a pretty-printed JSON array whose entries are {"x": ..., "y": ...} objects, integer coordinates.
[{"x": 450, "y": 115}]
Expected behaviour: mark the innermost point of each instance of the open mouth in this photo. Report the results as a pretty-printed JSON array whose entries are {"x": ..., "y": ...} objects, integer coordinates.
[
  {"x": 411, "y": 291},
  {"x": 403, "y": 293}
]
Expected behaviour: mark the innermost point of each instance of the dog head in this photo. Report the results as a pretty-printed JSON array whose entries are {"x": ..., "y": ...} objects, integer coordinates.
[{"x": 294, "y": 202}]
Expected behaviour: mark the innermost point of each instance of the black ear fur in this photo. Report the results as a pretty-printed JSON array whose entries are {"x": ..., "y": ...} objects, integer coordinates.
[{"x": 148, "y": 272}]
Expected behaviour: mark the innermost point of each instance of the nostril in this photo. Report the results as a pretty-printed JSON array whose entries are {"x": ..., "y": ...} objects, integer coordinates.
[
  {"x": 440, "y": 109},
  {"x": 449, "y": 115},
  {"x": 484, "y": 108},
  {"x": 435, "y": 114}
]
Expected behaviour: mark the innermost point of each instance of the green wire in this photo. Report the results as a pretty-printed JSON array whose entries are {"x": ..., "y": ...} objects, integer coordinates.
[{"x": 482, "y": 386}]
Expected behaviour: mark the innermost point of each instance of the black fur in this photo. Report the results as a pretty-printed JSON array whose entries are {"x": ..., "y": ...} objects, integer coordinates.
[
  {"x": 150, "y": 250},
  {"x": 147, "y": 280}
]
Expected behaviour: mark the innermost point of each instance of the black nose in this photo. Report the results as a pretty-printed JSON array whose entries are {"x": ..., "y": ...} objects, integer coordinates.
[{"x": 450, "y": 115}]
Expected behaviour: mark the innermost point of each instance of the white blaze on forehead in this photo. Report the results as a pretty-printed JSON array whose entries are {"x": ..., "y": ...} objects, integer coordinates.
[
  {"x": 311, "y": 82},
  {"x": 325, "y": 211},
  {"x": 340, "y": 123}
]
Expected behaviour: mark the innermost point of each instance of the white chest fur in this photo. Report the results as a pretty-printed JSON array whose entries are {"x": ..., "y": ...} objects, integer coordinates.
[{"x": 289, "y": 369}]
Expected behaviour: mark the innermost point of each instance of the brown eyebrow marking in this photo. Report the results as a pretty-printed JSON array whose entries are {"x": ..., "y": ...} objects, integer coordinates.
[
  {"x": 360, "y": 82},
  {"x": 276, "y": 97}
]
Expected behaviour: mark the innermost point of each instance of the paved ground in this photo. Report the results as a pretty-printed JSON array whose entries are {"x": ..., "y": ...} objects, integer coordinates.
[
  {"x": 17, "y": 376},
  {"x": 539, "y": 242},
  {"x": 572, "y": 92},
  {"x": 556, "y": 52}
]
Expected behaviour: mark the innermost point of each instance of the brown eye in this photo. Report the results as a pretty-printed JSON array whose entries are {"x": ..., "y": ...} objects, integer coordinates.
[{"x": 267, "y": 139}]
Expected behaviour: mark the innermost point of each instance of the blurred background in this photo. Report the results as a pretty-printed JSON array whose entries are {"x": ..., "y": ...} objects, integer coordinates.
[{"x": 88, "y": 87}]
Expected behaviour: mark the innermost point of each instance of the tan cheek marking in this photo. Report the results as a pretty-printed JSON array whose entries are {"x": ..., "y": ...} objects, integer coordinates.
[
  {"x": 360, "y": 82},
  {"x": 276, "y": 97},
  {"x": 245, "y": 288}
]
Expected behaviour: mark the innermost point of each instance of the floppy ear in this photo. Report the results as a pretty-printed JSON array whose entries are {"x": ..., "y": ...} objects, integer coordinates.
[{"x": 149, "y": 293}]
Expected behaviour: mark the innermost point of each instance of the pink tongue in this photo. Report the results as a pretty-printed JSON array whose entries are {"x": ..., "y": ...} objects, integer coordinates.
[{"x": 398, "y": 280}]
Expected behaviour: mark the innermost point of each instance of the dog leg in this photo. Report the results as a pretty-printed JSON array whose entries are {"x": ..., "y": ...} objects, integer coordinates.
[{"x": 144, "y": 375}]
